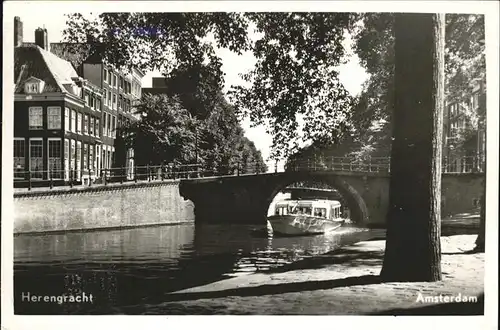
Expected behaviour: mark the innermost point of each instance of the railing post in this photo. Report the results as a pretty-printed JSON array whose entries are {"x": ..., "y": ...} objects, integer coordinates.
[
  {"x": 122, "y": 174},
  {"x": 29, "y": 180},
  {"x": 71, "y": 175},
  {"x": 148, "y": 173},
  {"x": 162, "y": 172},
  {"x": 51, "y": 173},
  {"x": 105, "y": 176},
  {"x": 90, "y": 177},
  {"x": 135, "y": 173}
]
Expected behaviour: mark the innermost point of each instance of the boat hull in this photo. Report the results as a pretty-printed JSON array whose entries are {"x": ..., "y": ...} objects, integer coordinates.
[{"x": 301, "y": 225}]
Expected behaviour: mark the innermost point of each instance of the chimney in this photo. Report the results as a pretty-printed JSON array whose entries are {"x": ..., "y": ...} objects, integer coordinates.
[
  {"x": 18, "y": 32},
  {"x": 41, "y": 38}
]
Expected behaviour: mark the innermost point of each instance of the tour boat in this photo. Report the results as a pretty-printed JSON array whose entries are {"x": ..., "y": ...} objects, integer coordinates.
[{"x": 306, "y": 217}]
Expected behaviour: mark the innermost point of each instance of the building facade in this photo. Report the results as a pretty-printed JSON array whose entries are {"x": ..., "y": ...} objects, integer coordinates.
[
  {"x": 464, "y": 140},
  {"x": 120, "y": 90},
  {"x": 68, "y": 109},
  {"x": 57, "y": 119}
]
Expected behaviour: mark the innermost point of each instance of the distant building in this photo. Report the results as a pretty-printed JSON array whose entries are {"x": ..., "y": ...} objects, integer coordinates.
[
  {"x": 469, "y": 154},
  {"x": 159, "y": 86}
]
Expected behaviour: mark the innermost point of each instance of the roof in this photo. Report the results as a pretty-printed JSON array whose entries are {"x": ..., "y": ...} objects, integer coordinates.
[
  {"x": 75, "y": 53},
  {"x": 154, "y": 90},
  {"x": 316, "y": 202},
  {"x": 79, "y": 53},
  {"x": 33, "y": 61}
]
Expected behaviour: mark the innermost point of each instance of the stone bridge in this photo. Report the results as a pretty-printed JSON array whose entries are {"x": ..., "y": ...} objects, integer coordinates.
[{"x": 245, "y": 199}]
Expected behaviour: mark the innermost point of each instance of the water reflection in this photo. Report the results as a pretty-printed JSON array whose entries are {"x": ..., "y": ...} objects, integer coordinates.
[{"x": 128, "y": 269}]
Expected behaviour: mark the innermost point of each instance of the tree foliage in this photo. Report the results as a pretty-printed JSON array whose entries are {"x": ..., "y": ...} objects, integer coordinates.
[
  {"x": 164, "y": 133},
  {"x": 374, "y": 44},
  {"x": 295, "y": 75},
  {"x": 167, "y": 132}
]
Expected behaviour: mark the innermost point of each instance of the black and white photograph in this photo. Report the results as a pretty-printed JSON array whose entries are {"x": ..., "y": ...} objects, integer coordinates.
[{"x": 250, "y": 158}]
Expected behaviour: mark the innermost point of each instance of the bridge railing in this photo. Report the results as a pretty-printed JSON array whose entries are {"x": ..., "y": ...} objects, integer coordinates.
[
  {"x": 341, "y": 164},
  {"x": 72, "y": 177},
  {"x": 471, "y": 164},
  {"x": 89, "y": 177}
]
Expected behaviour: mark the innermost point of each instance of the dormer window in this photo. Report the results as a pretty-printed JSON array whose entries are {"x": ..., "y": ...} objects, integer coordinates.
[{"x": 34, "y": 86}]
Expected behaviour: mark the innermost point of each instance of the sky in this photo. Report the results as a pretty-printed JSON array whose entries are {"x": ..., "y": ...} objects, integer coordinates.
[{"x": 352, "y": 75}]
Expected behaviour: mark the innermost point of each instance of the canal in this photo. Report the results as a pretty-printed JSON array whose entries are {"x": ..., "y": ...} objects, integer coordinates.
[{"x": 130, "y": 271}]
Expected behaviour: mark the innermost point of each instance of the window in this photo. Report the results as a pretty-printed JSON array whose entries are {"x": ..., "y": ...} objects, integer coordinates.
[
  {"x": 105, "y": 73},
  {"x": 73, "y": 121},
  {"x": 91, "y": 157},
  {"x": 66, "y": 120},
  {"x": 19, "y": 158},
  {"x": 91, "y": 131},
  {"x": 103, "y": 158},
  {"x": 55, "y": 170},
  {"x": 97, "y": 159},
  {"x": 78, "y": 158},
  {"x": 109, "y": 99},
  {"x": 105, "y": 123},
  {"x": 36, "y": 117},
  {"x": 112, "y": 128},
  {"x": 85, "y": 156},
  {"x": 98, "y": 104},
  {"x": 108, "y": 125},
  {"x": 114, "y": 80},
  {"x": 73, "y": 157},
  {"x": 66, "y": 159},
  {"x": 110, "y": 159},
  {"x": 97, "y": 128},
  {"x": 92, "y": 102},
  {"x": 105, "y": 96},
  {"x": 85, "y": 124},
  {"x": 114, "y": 101},
  {"x": 31, "y": 88},
  {"x": 36, "y": 158},
  {"x": 320, "y": 212},
  {"x": 53, "y": 118},
  {"x": 86, "y": 98},
  {"x": 79, "y": 123}
]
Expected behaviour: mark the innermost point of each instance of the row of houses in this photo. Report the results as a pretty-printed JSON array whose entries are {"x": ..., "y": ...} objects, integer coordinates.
[{"x": 68, "y": 105}]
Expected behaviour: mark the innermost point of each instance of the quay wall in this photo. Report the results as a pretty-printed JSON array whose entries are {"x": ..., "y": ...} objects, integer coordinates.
[{"x": 101, "y": 207}]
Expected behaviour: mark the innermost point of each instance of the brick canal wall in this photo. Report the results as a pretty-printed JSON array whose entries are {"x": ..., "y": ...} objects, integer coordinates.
[{"x": 101, "y": 207}]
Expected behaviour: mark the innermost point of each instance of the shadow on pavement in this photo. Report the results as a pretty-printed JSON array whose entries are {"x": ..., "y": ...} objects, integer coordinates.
[
  {"x": 270, "y": 289},
  {"x": 342, "y": 256},
  {"x": 472, "y": 308},
  {"x": 473, "y": 251}
]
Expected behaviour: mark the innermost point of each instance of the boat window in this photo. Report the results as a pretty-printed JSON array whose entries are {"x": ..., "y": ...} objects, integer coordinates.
[
  {"x": 305, "y": 210},
  {"x": 320, "y": 212},
  {"x": 281, "y": 210}
]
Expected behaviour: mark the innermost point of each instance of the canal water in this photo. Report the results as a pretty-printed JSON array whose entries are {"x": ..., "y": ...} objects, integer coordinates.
[{"x": 126, "y": 270}]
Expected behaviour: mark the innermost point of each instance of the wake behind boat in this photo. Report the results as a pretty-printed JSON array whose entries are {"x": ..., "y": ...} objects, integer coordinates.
[{"x": 306, "y": 217}]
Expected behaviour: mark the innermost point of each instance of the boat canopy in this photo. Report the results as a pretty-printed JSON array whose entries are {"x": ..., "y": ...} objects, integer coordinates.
[
  {"x": 329, "y": 209},
  {"x": 310, "y": 203}
]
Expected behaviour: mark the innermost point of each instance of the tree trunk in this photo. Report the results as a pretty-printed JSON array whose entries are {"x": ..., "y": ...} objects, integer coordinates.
[
  {"x": 482, "y": 225},
  {"x": 413, "y": 249}
]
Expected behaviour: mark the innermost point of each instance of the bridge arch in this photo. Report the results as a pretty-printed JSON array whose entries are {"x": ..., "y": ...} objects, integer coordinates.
[{"x": 355, "y": 202}]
